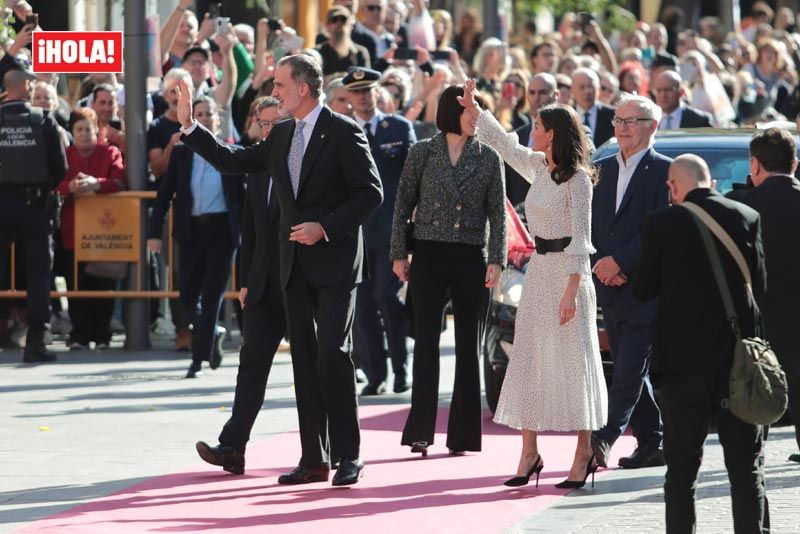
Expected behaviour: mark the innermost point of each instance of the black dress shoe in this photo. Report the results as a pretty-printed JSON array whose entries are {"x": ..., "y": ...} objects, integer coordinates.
[
  {"x": 644, "y": 456},
  {"x": 373, "y": 388},
  {"x": 349, "y": 472},
  {"x": 230, "y": 458},
  {"x": 195, "y": 370},
  {"x": 38, "y": 354},
  {"x": 305, "y": 475},
  {"x": 401, "y": 386},
  {"x": 601, "y": 449},
  {"x": 794, "y": 457},
  {"x": 216, "y": 351}
]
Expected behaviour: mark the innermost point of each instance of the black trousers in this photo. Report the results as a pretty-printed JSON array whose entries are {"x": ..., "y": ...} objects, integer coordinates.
[
  {"x": 687, "y": 402},
  {"x": 436, "y": 268},
  {"x": 29, "y": 222},
  {"x": 90, "y": 318},
  {"x": 782, "y": 335},
  {"x": 630, "y": 398},
  {"x": 205, "y": 272},
  {"x": 324, "y": 375},
  {"x": 263, "y": 327},
  {"x": 380, "y": 320}
]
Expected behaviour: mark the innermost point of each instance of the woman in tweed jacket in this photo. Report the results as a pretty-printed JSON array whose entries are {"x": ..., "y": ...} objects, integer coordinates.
[{"x": 457, "y": 186}]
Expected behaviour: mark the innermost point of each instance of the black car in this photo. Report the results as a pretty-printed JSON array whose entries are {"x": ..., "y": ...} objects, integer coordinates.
[{"x": 727, "y": 155}]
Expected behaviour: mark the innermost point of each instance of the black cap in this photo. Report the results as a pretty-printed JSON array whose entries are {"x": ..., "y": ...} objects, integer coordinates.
[
  {"x": 662, "y": 59},
  {"x": 360, "y": 77},
  {"x": 196, "y": 49}
]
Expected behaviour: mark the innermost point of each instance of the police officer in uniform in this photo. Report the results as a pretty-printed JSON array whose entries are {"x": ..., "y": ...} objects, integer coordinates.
[
  {"x": 379, "y": 318},
  {"x": 32, "y": 162}
]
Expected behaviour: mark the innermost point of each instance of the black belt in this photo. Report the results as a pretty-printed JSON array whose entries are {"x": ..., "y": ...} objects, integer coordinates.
[
  {"x": 210, "y": 217},
  {"x": 543, "y": 246}
]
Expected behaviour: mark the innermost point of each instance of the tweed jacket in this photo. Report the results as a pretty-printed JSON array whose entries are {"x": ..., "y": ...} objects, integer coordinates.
[{"x": 453, "y": 203}]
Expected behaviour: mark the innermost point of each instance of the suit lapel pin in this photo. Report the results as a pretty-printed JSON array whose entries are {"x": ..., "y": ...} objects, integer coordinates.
[
  {"x": 322, "y": 136},
  {"x": 384, "y": 124},
  {"x": 646, "y": 167}
]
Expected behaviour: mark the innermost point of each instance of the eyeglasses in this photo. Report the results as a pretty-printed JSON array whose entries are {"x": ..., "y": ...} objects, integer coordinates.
[
  {"x": 606, "y": 89},
  {"x": 360, "y": 90},
  {"x": 341, "y": 19},
  {"x": 630, "y": 121},
  {"x": 264, "y": 124},
  {"x": 374, "y": 7}
]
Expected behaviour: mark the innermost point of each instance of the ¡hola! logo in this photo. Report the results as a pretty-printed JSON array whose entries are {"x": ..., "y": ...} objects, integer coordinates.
[{"x": 60, "y": 52}]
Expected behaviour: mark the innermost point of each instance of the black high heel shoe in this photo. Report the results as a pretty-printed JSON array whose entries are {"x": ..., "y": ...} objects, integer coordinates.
[
  {"x": 572, "y": 484},
  {"x": 517, "y": 481},
  {"x": 420, "y": 447}
]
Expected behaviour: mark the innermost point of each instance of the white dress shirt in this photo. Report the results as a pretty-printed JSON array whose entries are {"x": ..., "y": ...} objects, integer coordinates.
[
  {"x": 670, "y": 121},
  {"x": 626, "y": 170}
]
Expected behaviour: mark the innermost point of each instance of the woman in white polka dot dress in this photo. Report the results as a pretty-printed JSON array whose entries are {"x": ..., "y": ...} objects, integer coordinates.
[{"x": 554, "y": 380}]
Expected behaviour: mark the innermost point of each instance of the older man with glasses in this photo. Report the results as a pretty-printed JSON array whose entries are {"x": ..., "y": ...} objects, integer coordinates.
[{"x": 632, "y": 184}]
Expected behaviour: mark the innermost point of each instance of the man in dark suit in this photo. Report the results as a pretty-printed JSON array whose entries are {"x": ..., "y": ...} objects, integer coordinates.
[
  {"x": 676, "y": 114},
  {"x": 264, "y": 319},
  {"x": 694, "y": 343},
  {"x": 596, "y": 115},
  {"x": 206, "y": 225},
  {"x": 776, "y": 196},
  {"x": 632, "y": 184},
  {"x": 327, "y": 186},
  {"x": 542, "y": 91},
  {"x": 380, "y": 319}
]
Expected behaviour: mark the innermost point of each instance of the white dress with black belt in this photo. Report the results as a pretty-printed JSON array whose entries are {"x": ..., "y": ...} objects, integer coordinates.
[{"x": 554, "y": 379}]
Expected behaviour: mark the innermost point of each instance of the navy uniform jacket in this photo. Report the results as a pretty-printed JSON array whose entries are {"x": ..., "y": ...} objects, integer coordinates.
[
  {"x": 619, "y": 233},
  {"x": 392, "y": 138}
]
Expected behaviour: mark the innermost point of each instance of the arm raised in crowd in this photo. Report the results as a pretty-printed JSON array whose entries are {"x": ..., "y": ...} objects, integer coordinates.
[
  {"x": 170, "y": 28},
  {"x": 224, "y": 92}
]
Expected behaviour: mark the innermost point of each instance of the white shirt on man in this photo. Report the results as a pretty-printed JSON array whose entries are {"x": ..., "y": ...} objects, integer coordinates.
[
  {"x": 670, "y": 121},
  {"x": 592, "y": 116},
  {"x": 626, "y": 170}
]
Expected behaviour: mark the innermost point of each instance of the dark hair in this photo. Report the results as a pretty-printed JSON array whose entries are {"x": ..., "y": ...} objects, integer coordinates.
[
  {"x": 107, "y": 87},
  {"x": 305, "y": 70},
  {"x": 448, "y": 115},
  {"x": 535, "y": 50},
  {"x": 570, "y": 150},
  {"x": 775, "y": 149}
]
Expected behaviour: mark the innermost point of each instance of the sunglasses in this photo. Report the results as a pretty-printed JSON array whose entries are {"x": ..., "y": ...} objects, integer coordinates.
[
  {"x": 361, "y": 90},
  {"x": 338, "y": 19},
  {"x": 375, "y": 7}
]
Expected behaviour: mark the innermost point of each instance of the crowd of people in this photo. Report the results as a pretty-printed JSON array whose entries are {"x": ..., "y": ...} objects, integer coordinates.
[{"x": 386, "y": 155}]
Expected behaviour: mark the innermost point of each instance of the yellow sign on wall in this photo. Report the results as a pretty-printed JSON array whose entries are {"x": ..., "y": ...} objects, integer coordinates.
[{"x": 107, "y": 228}]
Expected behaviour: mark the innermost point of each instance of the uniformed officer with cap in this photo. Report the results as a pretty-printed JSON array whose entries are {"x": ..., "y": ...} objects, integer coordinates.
[
  {"x": 379, "y": 316},
  {"x": 32, "y": 162}
]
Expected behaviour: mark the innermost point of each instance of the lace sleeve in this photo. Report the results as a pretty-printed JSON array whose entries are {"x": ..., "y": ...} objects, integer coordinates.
[
  {"x": 580, "y": 203},
  {"x": 529, "y": 164}
]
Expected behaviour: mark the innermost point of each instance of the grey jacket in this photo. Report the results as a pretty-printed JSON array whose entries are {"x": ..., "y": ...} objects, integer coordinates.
[{"x": 453, "y": 204}]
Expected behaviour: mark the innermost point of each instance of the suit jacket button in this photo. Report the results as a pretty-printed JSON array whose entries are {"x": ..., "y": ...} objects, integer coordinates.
[
  {"x": 458, "y": 207},
  {"x": 457, "y": 226},
  {"x": 437, "y": 205},
  {"x": 611, "y": 234},
  {"x": 436, "y": 223}
]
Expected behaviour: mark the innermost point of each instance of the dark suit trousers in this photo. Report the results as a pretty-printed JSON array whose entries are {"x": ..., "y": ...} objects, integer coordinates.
[
  {"x": 436, "y": 267},
  {"x": 205, "y": 271},
  {"x": 630, "y": 399},
  {"x": 324, "y": 375},
  {"x": 380, "y": 319},
  {"x": 781, "y": 329},
  {"x": 688, "y": 401},
  {"x": 263, "y": 327}
]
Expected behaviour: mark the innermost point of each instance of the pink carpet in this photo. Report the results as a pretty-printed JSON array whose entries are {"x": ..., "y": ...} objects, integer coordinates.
[{"x": 399, "y": 492}]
